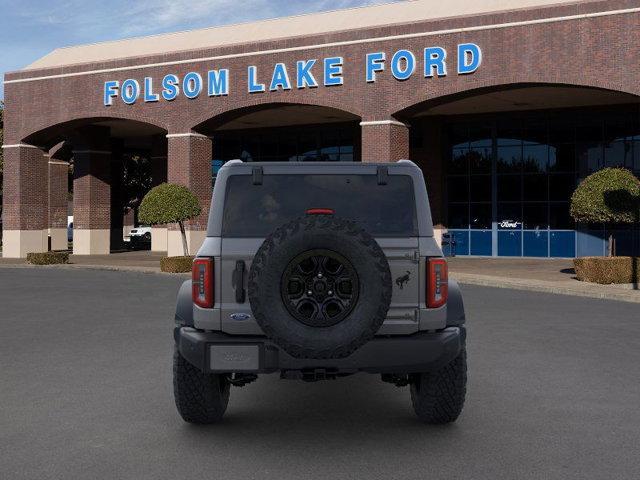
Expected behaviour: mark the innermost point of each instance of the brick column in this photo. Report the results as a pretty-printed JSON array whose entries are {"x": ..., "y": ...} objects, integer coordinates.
[
  {"x": 25, "y": 210},
  {"x": 189, "y": 164},
  {"x": 384, "y": 141},
  {"x": 92, "y": 192},
  {"x": 159, "y": 175},
  {"x": 58, "y": 191},
  {"x": 428, "y": 153}
]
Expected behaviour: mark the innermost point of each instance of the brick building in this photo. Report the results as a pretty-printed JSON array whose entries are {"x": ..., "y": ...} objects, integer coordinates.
[{"x": 504, "y": 104}]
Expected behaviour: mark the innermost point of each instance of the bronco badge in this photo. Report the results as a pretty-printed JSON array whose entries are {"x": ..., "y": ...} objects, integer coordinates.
[{"x": 400, "y": 281}]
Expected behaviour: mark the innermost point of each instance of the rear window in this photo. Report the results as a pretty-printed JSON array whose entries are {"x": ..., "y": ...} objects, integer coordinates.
[{"x": 256, "y": 210}]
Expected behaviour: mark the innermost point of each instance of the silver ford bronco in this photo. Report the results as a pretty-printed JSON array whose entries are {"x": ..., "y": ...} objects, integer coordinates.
[{"x": 318, "y": 271}]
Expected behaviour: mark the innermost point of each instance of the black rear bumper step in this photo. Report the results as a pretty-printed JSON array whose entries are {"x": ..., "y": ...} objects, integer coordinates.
[{"x": 217, "y": 352}]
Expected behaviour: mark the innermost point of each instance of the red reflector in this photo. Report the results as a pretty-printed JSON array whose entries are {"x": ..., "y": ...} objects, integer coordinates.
[
  {"x": 202, "y": 282},
  {"x": 320, "y": 211},
  {"x": 437, "y": 282}
]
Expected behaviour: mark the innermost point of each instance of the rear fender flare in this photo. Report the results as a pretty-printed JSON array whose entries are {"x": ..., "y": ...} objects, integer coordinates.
[{"x": 455, "y": 305}]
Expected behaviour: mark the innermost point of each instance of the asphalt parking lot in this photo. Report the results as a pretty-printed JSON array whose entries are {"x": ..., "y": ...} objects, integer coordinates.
[{"x": 85, "y": 392}]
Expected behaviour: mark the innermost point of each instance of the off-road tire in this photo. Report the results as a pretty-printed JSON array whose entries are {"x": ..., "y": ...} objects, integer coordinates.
[
  {"x": 438, "y": 397},
  {"x": 305, "y": 234},
  {"x": 200, "y": 397}
]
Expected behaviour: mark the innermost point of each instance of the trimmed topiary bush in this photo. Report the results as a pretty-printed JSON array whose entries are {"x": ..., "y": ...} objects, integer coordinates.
[
  {"x": 176, "y": 264},
  {"x": 48, "y": 258},
  {"x": 607, "y": 270},
  {"x": 170, "y": 203},
  {"x": 611, "y": 195}
]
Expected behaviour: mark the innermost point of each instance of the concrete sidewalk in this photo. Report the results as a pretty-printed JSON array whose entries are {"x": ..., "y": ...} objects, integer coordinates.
[{"x": 538, "y": 275}]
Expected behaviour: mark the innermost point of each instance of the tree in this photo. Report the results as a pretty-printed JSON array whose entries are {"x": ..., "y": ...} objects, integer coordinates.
[
  {"x": 170, "y": 203},
  {"x": 611, "y": 195}
]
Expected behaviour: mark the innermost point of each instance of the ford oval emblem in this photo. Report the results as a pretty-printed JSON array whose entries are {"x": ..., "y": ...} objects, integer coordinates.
[{"x": 240, "y": 317}]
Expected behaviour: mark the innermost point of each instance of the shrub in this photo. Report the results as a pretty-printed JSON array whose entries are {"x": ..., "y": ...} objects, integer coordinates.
[
  {"x": 611, "y": 195},
  {"x": 170, "y": 203},
  {"x": 176, "y": 264},
  {"x": 48, "y": 258},
  {"x": 607, "y": 270}
]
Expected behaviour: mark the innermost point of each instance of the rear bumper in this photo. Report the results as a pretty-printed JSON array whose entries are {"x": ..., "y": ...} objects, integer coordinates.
[{"x": 216, "y": 352}]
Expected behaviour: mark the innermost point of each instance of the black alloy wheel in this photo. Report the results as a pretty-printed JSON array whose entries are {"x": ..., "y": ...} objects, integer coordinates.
[{"x": 320, "y": 288}]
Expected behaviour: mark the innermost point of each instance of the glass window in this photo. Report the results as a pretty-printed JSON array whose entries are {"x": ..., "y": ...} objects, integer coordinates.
[
  {"x": 535, "y": 158},
  {"x": 458, "y": 189},
  {"x": 480, "y": 159},
  {"x": 535, "y": 216},
  {"x": 562, "y": 158},
  {"x": 636, "y": 156},
  {"x": 509, "y": 188},
  {"x": 589, "y": 130},
  {"x": 256, "y": 210},
  {"x": 559, "y": 217},
  {"x": 561, "y": 130},
  {"x": 618, "y": 154},
  {"x": 481, "y": 188},
  {"x": 458, "y": 215},
  {"x": 459, "y": 161},
  {"x": 480, "y": 216},
  {"x": 509, "y": 133},
  {"x": 561, "y": 187},
  {"x": 535, "y": 133},
  {"x": 509, "y": 216},
  {"x": 534, "y": 188},
  {"x": 288, "y": 147},
  {"x": 509, "y": 159},
  {"x": 459, "y": 136},
  {"x": 480, "y": 136},
  {"x": 589, "y": 157}
]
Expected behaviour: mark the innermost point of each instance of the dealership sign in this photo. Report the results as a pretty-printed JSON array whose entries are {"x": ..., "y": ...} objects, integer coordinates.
[{"x": 308, "y": 73}]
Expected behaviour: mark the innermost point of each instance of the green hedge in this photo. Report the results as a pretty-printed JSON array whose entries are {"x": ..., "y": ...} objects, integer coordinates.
[
  {"x": 611, "y": 195},
  {"x": 176, "y": 264},
  {"x": 607, "y": 270},
  {"x": 48, "y": 258}
]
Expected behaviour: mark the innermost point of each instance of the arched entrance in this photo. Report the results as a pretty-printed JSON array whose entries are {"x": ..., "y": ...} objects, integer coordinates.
[
  {"x": 284, "y": 132},
  {"x": 111, "y": 164},
  {"x": 502, "y": 164}
]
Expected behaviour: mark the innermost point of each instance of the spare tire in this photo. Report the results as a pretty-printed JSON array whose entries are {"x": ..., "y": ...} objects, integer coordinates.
[{"x": 320, "y": 287}]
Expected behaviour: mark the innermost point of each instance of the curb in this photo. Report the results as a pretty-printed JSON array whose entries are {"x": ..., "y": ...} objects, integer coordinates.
[
  {"x": 112, "y": 268},
  {"x": 602, "y": 292}
]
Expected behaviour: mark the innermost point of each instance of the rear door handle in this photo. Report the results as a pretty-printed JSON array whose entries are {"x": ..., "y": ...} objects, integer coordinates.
[{"x": 238, "y": 281}]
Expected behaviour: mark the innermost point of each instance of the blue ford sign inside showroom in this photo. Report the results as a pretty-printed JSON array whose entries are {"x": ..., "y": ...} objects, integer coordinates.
[{"x": 310, "y": 73}]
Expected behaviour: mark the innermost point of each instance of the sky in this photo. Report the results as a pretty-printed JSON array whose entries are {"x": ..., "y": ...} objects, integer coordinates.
[{"x": 29, "y": 29}]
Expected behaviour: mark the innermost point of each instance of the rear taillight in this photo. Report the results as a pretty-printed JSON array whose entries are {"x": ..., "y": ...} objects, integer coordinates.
[
  {"x": 437, "y": 282},
  {"x": 202, "y": 282}
]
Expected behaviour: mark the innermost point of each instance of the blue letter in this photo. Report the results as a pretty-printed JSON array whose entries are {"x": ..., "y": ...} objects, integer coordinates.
[
  {"x": 434, "y": 57},
  {"x": 304, "y": 77},
  {"x": 170, "y": 86},
  {"x": 218, "y": 82},
  {"x": 192, "y": 85},
  {"x": 400, "y": 72},
  {"x": 253, "y": 86},
  {"x": 280, "y": 78},
  {"x": 469, "y": 58},
  {"x": 130, "y": 91},
  {"x": 375, "y": 63},
  {"x": 149, "y": 96},
  {"x": 333, "y": 71},
  {"x": 110, "y": 91}
]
